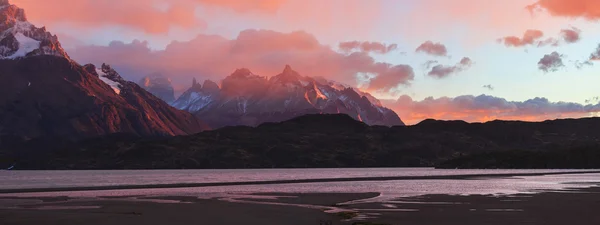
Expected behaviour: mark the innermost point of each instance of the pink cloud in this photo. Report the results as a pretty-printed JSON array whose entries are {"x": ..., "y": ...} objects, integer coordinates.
[
  {"x": 144, "y": 15},
  {"x": 486, "y": 108},
  {"x": 436, "y": 49},
  {"x": 570, "y": 35},
  {"x": 265, "y": 52},
  {"x": 391, "y": 77},
  {"x": 529, "y": 38},
  {"x": 589, "y": 9},
  {"x": 267, "y": 6},
  {"x": 375, "y": 47},
  {"x": 138, "y": 14}
]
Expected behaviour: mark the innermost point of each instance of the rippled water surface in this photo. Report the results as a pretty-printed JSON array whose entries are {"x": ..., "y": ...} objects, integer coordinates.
[
  {"x": 45, "y": 179},
  {"x": 388, "y": 189}
]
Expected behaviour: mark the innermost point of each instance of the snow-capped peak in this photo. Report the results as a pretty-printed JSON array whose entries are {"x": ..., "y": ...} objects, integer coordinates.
[{"x": 19, "y": 38}]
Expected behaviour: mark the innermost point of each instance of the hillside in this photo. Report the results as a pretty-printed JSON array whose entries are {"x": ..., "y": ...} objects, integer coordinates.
[{"x": 309, "y": 141}]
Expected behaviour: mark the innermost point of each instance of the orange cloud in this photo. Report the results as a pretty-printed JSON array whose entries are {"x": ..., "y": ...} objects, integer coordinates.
[
  {"x": 528, "y": 38},
  {"x": 139, "y": 14},
  {"x": 486, "y": 108},
  {"x": 270, "y": 6},
  {"x": 570, "y": 35},
  {"x": 265, "y": 52},
  {"x": 589, "y": 9},
  {"x": 151, "y": 16}
]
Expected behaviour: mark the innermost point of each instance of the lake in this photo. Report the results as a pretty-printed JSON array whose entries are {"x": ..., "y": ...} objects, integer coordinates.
[{"x": 389, "y": 189}]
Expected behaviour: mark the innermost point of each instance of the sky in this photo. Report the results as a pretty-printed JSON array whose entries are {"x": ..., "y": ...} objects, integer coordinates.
[{"x": 471, "y": 60}]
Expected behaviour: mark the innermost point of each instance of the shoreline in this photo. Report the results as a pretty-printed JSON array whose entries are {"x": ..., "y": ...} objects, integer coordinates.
[
  {"x": 553, "y": 207},
  {"x": 297, "y": 181}
]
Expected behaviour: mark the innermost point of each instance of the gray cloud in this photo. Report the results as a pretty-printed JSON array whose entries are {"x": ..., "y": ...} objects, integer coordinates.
[
  {"x": 435, "y": 49},
  {"x": 595, "y": 56},
  {"x": 441, "y": 71},
  {"x": 484, "y": 108},
  {"x": 551, "y": 62},
  {"x": 581, "y": 65},
  {"x": 430, "y": 63}
]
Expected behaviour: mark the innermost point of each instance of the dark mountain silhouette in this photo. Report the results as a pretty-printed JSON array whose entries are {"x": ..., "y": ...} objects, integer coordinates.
[{"x": 320, "y": 140}]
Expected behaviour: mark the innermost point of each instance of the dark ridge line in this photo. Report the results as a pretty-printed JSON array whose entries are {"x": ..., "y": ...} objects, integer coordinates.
[{"x": 315, "y": 180}]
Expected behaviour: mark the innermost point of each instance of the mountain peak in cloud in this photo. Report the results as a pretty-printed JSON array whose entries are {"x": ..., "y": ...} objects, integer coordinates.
[{"x": 287, "y": 69}]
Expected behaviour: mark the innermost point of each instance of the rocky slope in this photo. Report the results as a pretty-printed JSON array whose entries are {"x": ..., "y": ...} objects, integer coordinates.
[
  {"x": 248, "y": 99},
  {"x": 43, "y": 93}
]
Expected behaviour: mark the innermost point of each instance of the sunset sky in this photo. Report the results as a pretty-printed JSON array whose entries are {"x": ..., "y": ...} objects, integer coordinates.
[{"x": 478, "y": 60}]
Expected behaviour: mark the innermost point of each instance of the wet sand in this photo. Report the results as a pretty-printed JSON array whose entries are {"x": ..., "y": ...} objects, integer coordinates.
[{"x": 575, "y": 206}]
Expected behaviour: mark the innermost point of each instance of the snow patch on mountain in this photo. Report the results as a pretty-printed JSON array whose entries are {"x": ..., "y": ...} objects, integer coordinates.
[
  {"x": 116, "y": 86},
  {"x": 200, "y": 101},
  {"x": 26, "y": 45}
]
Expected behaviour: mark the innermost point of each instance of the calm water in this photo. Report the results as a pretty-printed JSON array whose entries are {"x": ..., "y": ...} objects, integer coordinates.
[{"x": 389, "y": 189}]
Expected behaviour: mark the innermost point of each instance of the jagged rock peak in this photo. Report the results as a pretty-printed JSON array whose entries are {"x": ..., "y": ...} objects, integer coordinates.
[
  {"x": 287, "y": 69},
  {"x": 11, "y": 12},
  {"x": 243, "y": 73},
  {"x": 111, "y": 73},
  {"x": 210, "y": 86},
  {"x": 19, "y": 38},
  {"x": 91, "y": 68},
  {"x": 287, "y": 76}
]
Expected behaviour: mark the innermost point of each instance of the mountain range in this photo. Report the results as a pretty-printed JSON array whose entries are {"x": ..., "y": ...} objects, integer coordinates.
[
  {"x": 244, "y": 98},
  {"x": 44, "y": 93}
]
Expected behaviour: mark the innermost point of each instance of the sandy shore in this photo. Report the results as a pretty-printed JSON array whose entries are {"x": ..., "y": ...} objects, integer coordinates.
[{"x": 577, "y": 207}]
